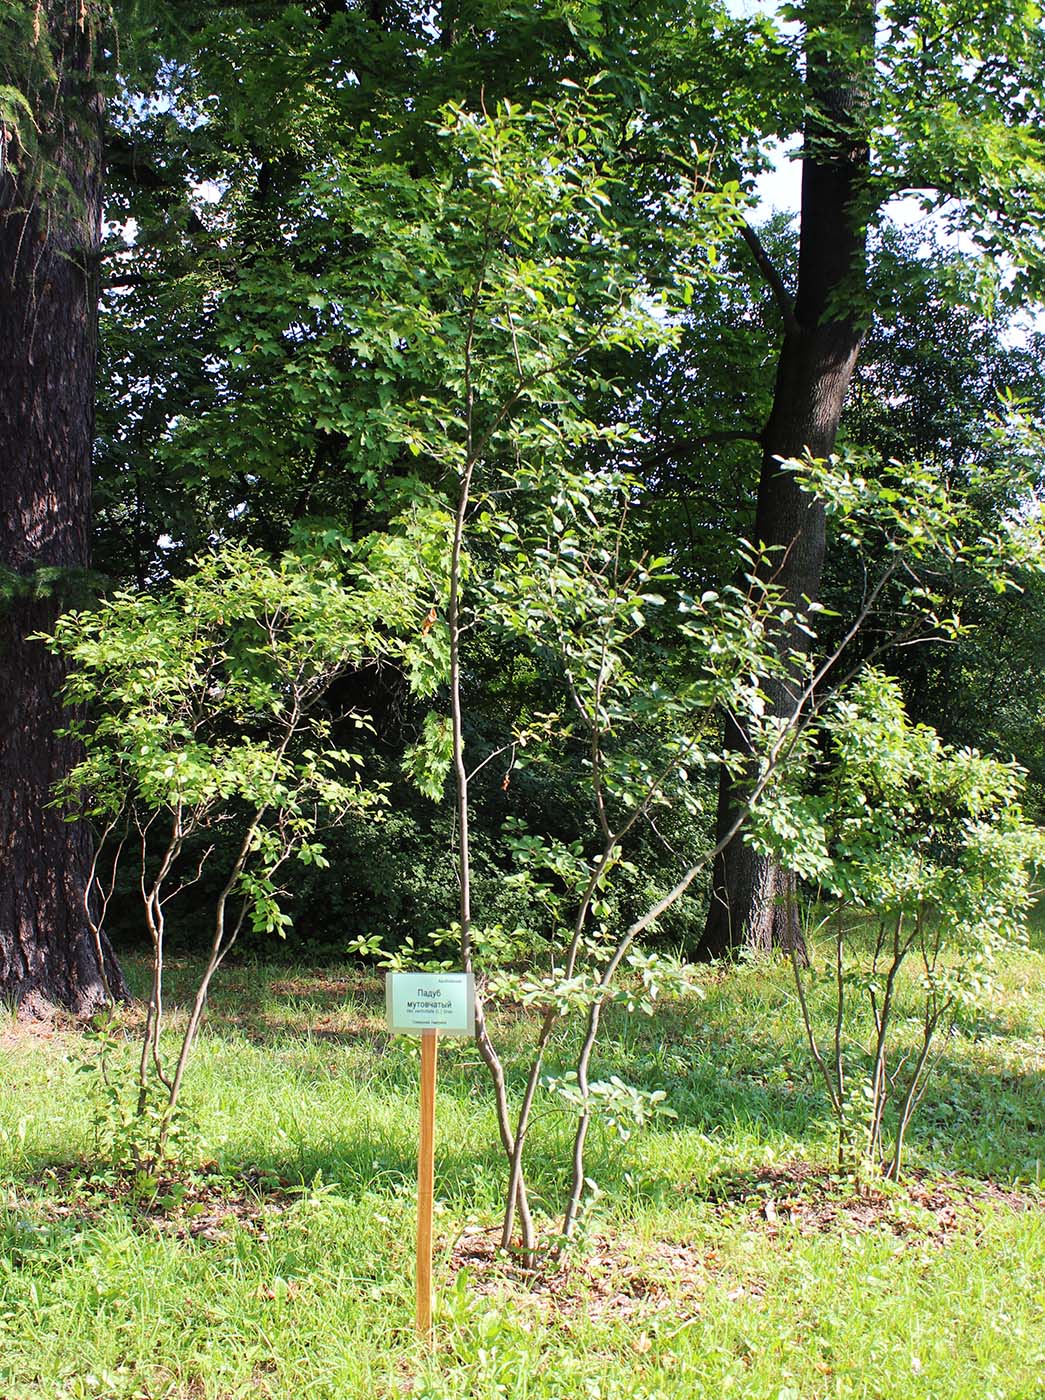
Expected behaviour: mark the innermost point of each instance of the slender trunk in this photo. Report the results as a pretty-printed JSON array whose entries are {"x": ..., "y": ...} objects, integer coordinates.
[
  {"x": 221, "y": 941},
  {"x": 517, "y": 1199},
  {"x": 753, "y": 898},
  {"x": 50, "y": 233},
  {"x": 99, "y": 893},
  {"x": 915, "y": 1088},
  {"x": 222, "y": 938},
  {"x": 840, "y": 1080},
  {"x": 551, "y": 1016},
  {"x": 156, "y": 921}
]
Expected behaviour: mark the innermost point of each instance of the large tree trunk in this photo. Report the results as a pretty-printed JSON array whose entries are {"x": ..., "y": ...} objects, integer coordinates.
[
  {"x": 50, "y": 234},
  {"x": 752, "y": 899}
]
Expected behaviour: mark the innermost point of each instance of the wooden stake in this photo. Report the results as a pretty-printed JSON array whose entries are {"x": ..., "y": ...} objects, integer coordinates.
[{"x": 426, "y": 1184}]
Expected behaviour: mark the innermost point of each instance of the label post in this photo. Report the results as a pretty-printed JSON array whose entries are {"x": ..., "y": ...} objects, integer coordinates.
[
  {"x": 428, "y": 1004},
  {"x": 426, "y": 1184}
]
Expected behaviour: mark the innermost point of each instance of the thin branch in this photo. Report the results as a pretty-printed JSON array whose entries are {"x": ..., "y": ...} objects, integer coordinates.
[
  {"x": 473, "y": 454},
  {"x": 781, "y": 295},
  {"x": 496, "y": 753},
  {"x": 94, "y": 886},
  {"x": 811, "y": 1033}
]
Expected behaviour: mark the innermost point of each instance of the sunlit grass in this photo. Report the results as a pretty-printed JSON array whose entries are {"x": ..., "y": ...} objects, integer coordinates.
[{"x": 305, "y": 1117}]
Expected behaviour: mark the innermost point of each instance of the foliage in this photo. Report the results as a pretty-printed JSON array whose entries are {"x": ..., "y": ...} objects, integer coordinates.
[
  {"x": 914, "y": 850},
  {"x": 236, "y": 160},
  {"x": 206, "y": 715},
  {"x": 226, "y": 382},
  {"x": 479, "y": 370}
]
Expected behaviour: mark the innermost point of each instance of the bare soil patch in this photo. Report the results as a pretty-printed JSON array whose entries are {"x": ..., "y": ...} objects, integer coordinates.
[
  {"x": 17, "y": 1033},
  {"x": 611, "y": 1278},
  {"x": 816, "y": 1201},
  {"x": 619, "y": 1278}
]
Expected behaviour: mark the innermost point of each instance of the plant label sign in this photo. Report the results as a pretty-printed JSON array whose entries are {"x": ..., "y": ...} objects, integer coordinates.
[
  {"x": 430, "y": 1001},
  {"x": 428, "y": 1004}
]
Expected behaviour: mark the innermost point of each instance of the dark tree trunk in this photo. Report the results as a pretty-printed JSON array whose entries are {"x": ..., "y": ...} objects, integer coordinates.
[
  {"x": 752, "y": 899},
  {"x": 50, "y": 231}
]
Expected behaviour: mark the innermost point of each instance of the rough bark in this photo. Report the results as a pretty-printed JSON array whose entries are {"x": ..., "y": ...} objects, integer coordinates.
[
  {"x": 50, "y": 232},
  {"x": 752, "y": 899}
]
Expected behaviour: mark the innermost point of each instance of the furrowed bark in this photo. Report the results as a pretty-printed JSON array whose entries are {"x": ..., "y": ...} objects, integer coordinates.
[{"x": 50, "y": 235}]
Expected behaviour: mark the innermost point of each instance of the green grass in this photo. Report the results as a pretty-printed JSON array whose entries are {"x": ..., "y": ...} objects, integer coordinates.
[{"x": 719, "y": 1260}]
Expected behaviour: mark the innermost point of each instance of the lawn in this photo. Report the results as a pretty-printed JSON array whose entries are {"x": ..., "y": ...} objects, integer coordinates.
[{"x": 724, "y": 1256}]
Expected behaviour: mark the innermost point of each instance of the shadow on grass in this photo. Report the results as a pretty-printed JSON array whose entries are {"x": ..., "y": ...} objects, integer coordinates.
[{"x": 745, "y": 1094}]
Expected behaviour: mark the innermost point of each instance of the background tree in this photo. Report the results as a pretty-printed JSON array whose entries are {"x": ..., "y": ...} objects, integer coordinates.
[{"x": 896, "y": 98}]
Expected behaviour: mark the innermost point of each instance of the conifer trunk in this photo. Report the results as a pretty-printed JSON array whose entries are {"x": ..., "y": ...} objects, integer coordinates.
[{"x": 50, "y": 234}]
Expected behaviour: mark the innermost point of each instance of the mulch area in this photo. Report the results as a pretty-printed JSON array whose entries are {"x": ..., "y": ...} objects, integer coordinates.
[
  {"x": 795, "y": 1196},
  {"x": 816, "y": 1201},
  {"x": 607, "y": 1279},
  {"x": 613, "y": 1277}
]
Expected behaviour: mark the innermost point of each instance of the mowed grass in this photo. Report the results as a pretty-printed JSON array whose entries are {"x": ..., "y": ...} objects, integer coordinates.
[{"x": 721, "y": 1257}]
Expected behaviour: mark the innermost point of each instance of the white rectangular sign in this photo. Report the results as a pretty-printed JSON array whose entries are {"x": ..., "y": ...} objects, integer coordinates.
[{"x": 430, "y": 1001}]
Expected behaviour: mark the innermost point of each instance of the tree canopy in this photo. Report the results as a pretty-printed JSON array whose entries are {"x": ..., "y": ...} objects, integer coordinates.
[{"x": 345, "y": 244}]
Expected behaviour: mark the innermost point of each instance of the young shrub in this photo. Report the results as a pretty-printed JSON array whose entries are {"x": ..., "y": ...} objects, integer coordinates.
[
  {"x": 534, "y": 255},
  {"x": 535, "y": 281},
  {"x": 206, "y": 739},
  {"x": 923, "y": 860}
]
